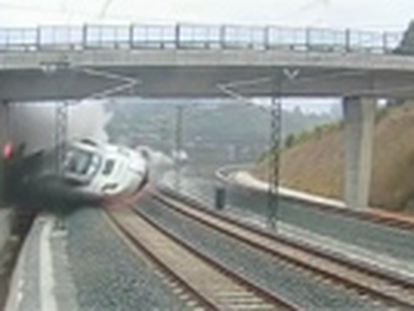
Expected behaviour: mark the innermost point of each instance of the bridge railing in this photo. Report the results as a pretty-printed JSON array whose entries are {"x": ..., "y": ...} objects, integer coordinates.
[
  {"x": 190, "y": 36},
  {"x": 19, "y": 39},
  {"x": 158, "y": 36},
  {"x": 60, "y": 37},
  {"x": 199, "y": 36}
]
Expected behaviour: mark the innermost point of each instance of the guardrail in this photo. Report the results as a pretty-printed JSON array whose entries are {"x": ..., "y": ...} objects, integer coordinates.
[{"x": 186, "y": 36}]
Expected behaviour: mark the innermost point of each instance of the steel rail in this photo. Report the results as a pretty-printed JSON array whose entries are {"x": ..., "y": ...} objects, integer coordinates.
[
  {"x": 280, "y": 303},
  {"x": 390, "y": 219},
  {"x": 402, "y": 283},
  {"x": 159, "y": 263}
]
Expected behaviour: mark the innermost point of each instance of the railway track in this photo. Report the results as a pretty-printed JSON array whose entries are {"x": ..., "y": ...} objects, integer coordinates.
[
  {"x": 202, "y": 281},
  {"x": 387, "y": 218},
  {"x": 390, "y": 289}
]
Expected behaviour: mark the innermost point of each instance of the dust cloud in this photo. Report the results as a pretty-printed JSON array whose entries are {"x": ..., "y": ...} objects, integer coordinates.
[{"x": 33, "y": 125}]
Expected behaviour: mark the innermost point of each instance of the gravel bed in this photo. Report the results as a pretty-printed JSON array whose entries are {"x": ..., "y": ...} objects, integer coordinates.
[
  {"x": 107, "y": 275},
  {"x": 377, "y": 238},
  {"x": 365, "y": 234},
  {"x": 194, "y": 186},
  {"x": 270, "y": 273}
]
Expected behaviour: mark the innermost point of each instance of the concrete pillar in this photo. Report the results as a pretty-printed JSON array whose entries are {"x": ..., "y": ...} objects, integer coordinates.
[{"x": 359, "y": 117}]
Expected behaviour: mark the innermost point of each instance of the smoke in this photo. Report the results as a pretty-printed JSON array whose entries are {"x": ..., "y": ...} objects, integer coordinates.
[
  {"x": 88, "y": 119},
  {"x": 33, "y": 125},
  {"x": 159, "y": 163}
]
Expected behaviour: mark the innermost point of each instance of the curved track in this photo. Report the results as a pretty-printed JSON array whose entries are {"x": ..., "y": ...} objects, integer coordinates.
[
  {"x": 392, "y": 290},
  {"x": 375, "y": 215},
  {"x": 211, "y": 285}
]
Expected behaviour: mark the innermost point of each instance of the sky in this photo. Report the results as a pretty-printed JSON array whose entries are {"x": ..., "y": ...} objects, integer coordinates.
[{"x": 389, "y": 15}]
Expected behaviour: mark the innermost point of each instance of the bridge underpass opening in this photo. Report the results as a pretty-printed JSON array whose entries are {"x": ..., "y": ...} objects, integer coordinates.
[
  {"x": 256, "y": 79},
  {"x": 179, "y": 64},
  {"x": 359, "y": 176}
]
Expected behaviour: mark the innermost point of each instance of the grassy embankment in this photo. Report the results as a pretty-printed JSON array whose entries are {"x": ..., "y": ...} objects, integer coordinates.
[{"x": 315, "y": 162}]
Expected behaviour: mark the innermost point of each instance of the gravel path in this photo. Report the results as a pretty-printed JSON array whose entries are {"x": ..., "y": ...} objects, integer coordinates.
[
  {"x": 106, "y": 274},
  {"x": 273, "y": 274}
]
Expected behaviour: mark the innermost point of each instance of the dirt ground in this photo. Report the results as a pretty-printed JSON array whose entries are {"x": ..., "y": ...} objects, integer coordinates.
[{"x": 317, "y": 165}]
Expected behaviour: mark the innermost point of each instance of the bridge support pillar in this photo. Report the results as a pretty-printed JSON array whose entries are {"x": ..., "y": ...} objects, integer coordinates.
[{"x": 359, "y": 116}]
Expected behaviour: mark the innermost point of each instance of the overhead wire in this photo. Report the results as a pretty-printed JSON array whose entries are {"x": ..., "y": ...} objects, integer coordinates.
[
  {"x": 88, "y": 14},
  {"x": 104, "y": 9}
]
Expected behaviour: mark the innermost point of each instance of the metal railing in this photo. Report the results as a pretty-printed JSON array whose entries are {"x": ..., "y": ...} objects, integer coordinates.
[{"x": 188, "y": 36}]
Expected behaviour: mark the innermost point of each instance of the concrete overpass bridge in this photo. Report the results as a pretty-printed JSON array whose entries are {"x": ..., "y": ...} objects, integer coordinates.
[
  {"x": 192, "y": 61},
  {"x": 58, "y": 63}
]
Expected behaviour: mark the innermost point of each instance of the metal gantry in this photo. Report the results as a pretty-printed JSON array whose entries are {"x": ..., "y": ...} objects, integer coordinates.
[
  {"x": 274, "y": 154},
  {"x": 61, "y": 133},
  {"x": 6, "y": 105},
  {"x": 275, "y": 130},
  {"x": 3, "y": 167},
  {"x": 178, "y": 146}
]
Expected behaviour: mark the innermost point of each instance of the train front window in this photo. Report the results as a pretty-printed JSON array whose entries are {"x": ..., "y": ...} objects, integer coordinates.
[
  {"x": 109, "y": 167},
  {"x": 78, "y": 161}
]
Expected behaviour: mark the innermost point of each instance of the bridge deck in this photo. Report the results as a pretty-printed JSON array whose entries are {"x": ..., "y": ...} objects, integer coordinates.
[{"x": 201, "y": 61}]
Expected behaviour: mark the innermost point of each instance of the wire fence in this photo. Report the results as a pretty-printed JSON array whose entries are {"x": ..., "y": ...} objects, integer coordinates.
[{"x": 190, "y": 36}]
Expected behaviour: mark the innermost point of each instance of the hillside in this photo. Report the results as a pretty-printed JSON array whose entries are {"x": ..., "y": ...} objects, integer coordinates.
[
  {"x": 214, "y": 131},
  {"x": 316, "y": 165}
]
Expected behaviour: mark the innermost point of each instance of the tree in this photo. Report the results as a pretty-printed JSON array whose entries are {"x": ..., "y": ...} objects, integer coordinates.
[
  {"x": 407, "y": 43},
  {"x": 290, "y": 141}
]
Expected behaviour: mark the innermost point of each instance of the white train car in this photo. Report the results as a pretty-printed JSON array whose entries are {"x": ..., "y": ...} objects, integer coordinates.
[
  {"x": 99, "y": 171},
  {"x": 91, "y": 172}
]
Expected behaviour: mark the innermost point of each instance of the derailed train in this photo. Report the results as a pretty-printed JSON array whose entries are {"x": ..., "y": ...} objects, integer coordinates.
[{"x": 90, "y": 172}]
